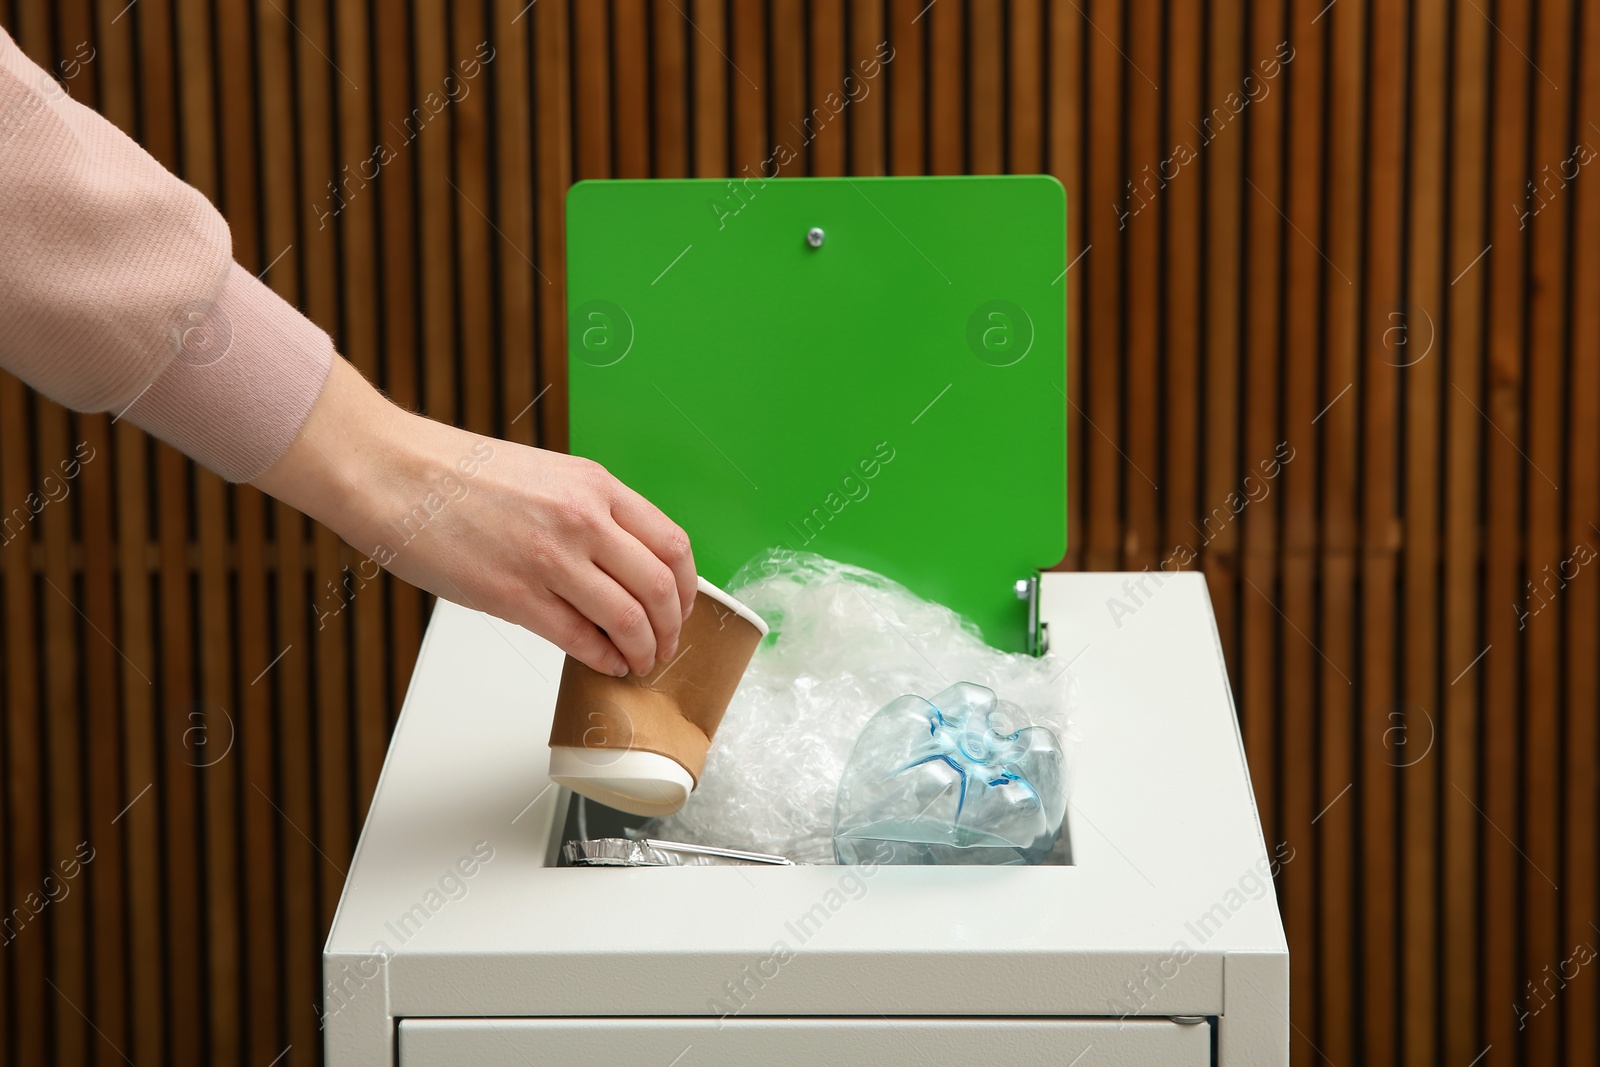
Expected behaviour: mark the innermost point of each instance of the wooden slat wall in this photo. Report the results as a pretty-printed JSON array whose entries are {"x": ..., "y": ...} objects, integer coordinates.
[{"x": 1353, "y": 266}]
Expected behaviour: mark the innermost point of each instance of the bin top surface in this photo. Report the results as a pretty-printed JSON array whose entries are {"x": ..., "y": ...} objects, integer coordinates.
[
  {"x": 1170, "y": 861},
  {"x": 893, "y": 397}
]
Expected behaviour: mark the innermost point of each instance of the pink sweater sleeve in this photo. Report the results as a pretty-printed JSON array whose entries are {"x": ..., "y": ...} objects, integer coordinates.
[{"x": 118, "y": 290}]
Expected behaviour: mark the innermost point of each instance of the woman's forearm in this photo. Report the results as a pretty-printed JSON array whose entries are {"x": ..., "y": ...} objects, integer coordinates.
[{"x": 118, "y": 290}]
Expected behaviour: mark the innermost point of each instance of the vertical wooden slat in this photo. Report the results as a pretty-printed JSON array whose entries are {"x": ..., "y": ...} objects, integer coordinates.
[
  {"x": 828, "y": 99},
  {"x": 1422, "y": 318},
  {"x": 1335, "y": 637},
  {"x": 1261, "y": 105},
  {"x": 66, "y": 931},
  {"x": 66, "y": 926},
  {"x": 1068, "y": 132},
  {"x": 1222, "y": 147},
  {"x": 868, "y": 95},
  {"x": 1098, "y": 402},
  {"x": 752, "y": 90},
  {"x": 1464, "y": 644},
  {"x": 592, "y": 88},
  {"x": 1380, "y": 534},
  {"x": 1581, "y": 739},
  {"x": 1504, "y": 561},
  {"x": 469, "y": 161},
  {"x": 142, "y": 738},
  {"x": 430, "y": 43},
  {"x": 1140, "y": 236},
  {"x": 24, "y": 785},
  {"x": 669, "y": 94},
  {"x": 302, "y": 868},
  {"x": 1024, "y": 107},
  {"x": 1304, "y": 671},
  {"x": 905, "y": 77},
  {"x": 985, "y": 94},
  {"x": 395, "y": 196},
  {"x": 552, "y": 150},
  {"x": 712, "y": 72},
  {"x": 790, "y": 115},
  {"x": 1303, "y": 664},
  {"x": 947, "y": 91},
  {"x": 1548, "y": 234},
  {"x": 1181, "y": 254},
  {"x": 255, "y": 751},
  {"x": 6, "y": 669},
  {"x": 513, "y": 212},
  {"x": 632, "y": 73},
  {"x": 394, "y": 191}
]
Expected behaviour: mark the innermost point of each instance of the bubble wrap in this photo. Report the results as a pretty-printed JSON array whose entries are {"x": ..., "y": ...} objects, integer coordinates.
[{"x": 845, "y": 641}]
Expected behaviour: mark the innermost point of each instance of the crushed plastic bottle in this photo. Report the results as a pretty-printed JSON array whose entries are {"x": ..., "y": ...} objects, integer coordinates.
[{"x": 950, "y": 781}]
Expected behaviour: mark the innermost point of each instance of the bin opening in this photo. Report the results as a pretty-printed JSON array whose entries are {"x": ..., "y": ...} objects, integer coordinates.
[{"x": 589, "y": 820}]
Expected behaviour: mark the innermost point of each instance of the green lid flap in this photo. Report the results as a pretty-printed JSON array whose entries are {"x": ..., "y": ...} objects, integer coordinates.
[{"x": 893, "y": 396}]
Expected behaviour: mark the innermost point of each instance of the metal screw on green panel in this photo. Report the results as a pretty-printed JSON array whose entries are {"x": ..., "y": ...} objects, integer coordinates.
[{"x": 814, "y": 237}]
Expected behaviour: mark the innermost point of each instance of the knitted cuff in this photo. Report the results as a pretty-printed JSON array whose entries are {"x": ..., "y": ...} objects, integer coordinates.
[{"x": 247, "y": 372}]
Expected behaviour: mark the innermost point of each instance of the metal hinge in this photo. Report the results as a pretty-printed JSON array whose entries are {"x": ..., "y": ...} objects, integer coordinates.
[{"x": 1038, "y": 637}]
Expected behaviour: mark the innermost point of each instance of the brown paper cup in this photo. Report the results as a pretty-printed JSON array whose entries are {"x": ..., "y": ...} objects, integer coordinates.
[{"x": 638, "y": 744}]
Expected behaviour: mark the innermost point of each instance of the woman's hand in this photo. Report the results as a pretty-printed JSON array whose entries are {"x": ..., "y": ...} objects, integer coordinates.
[{"x": 548, "y": 541}]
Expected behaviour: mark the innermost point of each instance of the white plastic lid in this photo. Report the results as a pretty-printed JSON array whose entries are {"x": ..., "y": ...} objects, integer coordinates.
[{"x": 639, "y": 783}]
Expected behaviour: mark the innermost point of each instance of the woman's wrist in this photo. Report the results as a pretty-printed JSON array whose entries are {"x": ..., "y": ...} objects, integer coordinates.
[
  {"x": 418, "y": 469},
  {"x": 351, "y": 461}
]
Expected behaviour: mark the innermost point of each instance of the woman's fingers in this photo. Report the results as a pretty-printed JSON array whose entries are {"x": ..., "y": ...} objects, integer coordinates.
[
  {"x": 647, "y": 580},
  {"x": 564, "y": 626},
  {"x": 663, "y": 537},
  {"x": 612, "y": 608}
]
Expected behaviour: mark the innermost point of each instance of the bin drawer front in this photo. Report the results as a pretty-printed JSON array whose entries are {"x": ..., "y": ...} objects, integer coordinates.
[{"x": 904, "y": 1042}]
